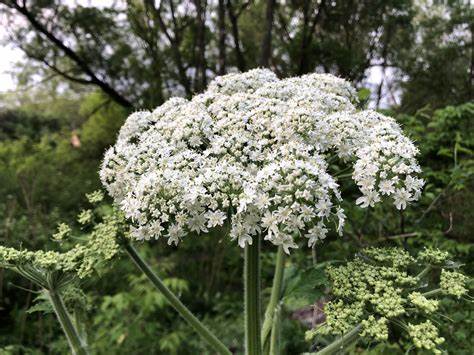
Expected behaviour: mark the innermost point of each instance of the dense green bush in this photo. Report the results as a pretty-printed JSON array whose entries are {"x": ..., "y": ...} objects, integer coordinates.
[{"x": 46, "y": 177}]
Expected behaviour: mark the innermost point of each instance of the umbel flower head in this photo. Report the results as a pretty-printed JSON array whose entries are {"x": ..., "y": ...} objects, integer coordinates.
[
  {"x": 386, "y": 291},
  {"x": 252, "y": 152}
]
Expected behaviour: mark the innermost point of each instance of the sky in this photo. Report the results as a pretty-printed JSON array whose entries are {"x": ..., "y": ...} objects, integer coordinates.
[{"x": 8, "y": 57}]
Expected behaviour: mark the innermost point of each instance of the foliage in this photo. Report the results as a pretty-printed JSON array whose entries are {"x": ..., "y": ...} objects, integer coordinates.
[
  {"x": 436, "y": 55},
  {"x": 54, "y": 130},
  {"x": 216, "y": 293}
]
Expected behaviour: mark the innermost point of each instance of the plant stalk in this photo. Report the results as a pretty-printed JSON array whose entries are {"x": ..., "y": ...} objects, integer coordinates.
[
  {"x": 275, "y": 336},
  {"x": 432, "y": 293},
  {"x": 424, "y": 272},
  {"x": 274, "y": 297},
  {"x": 183, "y": 311},
  {"x": 252, "y": 298},
  {"x": 341, "y": 342},
  {"x": 78, "y": 347}
]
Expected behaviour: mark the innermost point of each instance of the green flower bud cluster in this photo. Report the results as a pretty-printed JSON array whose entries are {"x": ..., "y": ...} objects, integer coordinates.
[
  {"x": 383, "y": 287},
  {"x": 95, "y": 197},
  {"x": 425, "y": 336},
  {"x": 10, "y": 258},
  {"x": 375, "y": 328},
  {"x": 343, "y": 316},
  {"x": 453, "y": 283},
  {"x": 433, "y": 256},
  {"x": 85, "y": 217},
  {"x": 101, "y": 243},
  {"x": 395, "y": 257},
  {"x": 63, "y": 232},
  {"x": 423, "y": 303}
]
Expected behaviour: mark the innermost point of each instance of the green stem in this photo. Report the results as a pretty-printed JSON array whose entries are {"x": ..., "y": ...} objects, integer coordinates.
[
  {"x": 341, "y": 342},
  {"x": 275, "y": 337},
  {"x": 314, "y": 254},
  {"x": 274, "y": 297},
  {"x": 433, "y": 292},
  {"x": 183, "y": 311},
  {"x": 424, "y": 272},
  {"x": 77, "y": 345},
  {"x": 252, "y": 298}
]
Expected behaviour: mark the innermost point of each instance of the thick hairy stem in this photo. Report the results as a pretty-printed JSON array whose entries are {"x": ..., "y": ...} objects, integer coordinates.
[
  {"x": 274, "y": 297},
  {"x": 78, "y": 347},
  {"x": 341, "y": 342},
  {"x": 183, "y": 311},
  {"x": 252, "y": 298}
]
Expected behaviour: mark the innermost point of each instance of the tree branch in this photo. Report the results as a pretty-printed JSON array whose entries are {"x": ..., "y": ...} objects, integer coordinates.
[
  {"x": 233, "y": 18},
  {"x": 82, "y": 64},
  {"x": 267, "y": 38},
  {"x": 174, "y": 41}
]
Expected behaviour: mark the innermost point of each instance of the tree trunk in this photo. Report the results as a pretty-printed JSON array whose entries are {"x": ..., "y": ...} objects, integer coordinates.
[
  {"x": 267, "y": 37},
  {"x": 233, "y": 18},
  {"x": 174, "y": 39},
  {"x": 221, "y": 24},
  {"x": 201, "y": 65},
  {"x": 309, "y": 28}
]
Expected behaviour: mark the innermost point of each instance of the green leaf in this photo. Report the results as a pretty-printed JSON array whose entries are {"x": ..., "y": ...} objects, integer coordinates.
[
  {"x": 304, "y": 287},
  {"x": 363, "y": 94},
  {"x": 42, "y": 304}
]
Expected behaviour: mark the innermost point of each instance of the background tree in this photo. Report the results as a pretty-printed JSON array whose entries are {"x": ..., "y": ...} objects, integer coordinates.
[
  {"x": 88, "y": 64},
  {"x": 140, "y": 52}
]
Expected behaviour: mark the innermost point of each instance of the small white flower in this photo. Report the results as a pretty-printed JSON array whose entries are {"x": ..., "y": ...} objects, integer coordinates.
[
  {"x": 341, "y": 220},
  {"x": 288, "y": 243},
  {"x": 401, "y": 198},
  {"x": 175, "y": 233},
  {"x": 216, "y": 218},
  {"x": 195, "y": 141},
  {"x": 413, "y": 184},
  {"x": 262, "y": 201},
  {"x": 323, "y": 207},
  {"x": 386, "y": 187},
  {"x": 370, "y": 198},
  {"x": 155, "y": 229},
  {"x": 318, "y": 232},
  {"x": 269, "y": 220},
  {"x": 244, "y": 240},
  {"x": 197, "y": 223}
]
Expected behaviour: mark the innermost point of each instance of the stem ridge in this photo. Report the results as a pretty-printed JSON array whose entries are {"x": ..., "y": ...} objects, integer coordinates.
[
  {"x": 75, "y": 342},
  {"x": 273, "y": 305},
  {"x": 252, "y": 298}
]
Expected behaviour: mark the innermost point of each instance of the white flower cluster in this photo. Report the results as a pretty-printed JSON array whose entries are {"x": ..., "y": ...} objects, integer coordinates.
[{"x": 251, "y": 153}]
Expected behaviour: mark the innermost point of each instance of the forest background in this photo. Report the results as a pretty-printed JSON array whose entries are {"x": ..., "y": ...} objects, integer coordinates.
[{"x": 88, "y": 64}]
